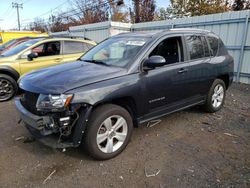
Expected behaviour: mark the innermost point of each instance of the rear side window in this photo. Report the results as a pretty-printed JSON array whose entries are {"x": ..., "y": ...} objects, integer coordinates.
[
  {"x": 195, "y": 47},
  {"x": 214, "y": 44},
  {"x": 205, "y": 46},
  {"x": 73, "y": 47}
]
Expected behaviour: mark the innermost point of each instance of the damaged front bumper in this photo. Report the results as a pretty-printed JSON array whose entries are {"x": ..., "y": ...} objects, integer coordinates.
[{"x": 39, "y": 127}]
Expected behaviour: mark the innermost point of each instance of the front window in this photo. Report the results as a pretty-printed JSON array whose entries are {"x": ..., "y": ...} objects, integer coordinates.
[
  {"x": 20, "y": 48},
  {"x": 171, "y": 49},
  {"x": 115, "y": 51},
  {"x": 47, "y": 49}
]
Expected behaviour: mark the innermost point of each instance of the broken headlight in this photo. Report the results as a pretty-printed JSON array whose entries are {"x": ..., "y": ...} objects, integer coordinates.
[{"x": 53, "y": 102}]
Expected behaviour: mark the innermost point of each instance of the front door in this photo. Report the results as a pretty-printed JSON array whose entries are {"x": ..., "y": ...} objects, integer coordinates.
[{"x": 49, "y": 54}]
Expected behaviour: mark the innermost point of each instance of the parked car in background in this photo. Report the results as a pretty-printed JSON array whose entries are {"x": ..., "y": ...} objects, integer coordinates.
[
  {"x": 123, "y": 82},
  {"x": 35, "y": 54},
  {"x": 6, "y": 36},
  {"x": 12, "y": 43}
]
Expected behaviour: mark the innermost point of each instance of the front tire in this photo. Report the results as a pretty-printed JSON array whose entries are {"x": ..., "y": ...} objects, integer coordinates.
[
  {"x": 8, "y": 87},
  {"x": 216, "y": 96},
  {"x": 108, "y": 132}
]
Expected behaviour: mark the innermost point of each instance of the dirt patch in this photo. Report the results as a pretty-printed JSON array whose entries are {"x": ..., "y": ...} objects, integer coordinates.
[{"x": 187, "y": 149}]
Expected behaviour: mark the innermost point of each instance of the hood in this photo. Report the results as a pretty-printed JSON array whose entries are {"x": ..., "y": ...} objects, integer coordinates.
[
  {"x": 61, "y": 78},
  {"x": 6, "y": 59}
]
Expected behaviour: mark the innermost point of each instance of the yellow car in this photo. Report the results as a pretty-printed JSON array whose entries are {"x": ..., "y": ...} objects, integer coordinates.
[{"x": 35, "y": 54}]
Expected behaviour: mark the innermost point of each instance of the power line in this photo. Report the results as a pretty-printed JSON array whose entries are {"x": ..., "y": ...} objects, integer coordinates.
[
  {"x": 72, "y": 12},
  {"x": 7, "y": 11},
  {"x": 45, "y": 13},
  {"x": 17, "y": 6}
]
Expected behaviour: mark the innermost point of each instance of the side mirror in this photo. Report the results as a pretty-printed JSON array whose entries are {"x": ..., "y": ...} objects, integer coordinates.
[
  {"x": 154, "y": 61},
  {"x": 31, "y": 56}
]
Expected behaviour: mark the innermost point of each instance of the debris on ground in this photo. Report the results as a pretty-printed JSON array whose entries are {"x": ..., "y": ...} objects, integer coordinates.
[
  {"x": 206, "y": 123},
  {"x": 121, "y": 177},
  {"x": 217, "y": 116},
  {"x": 29, "y": 139},
  {"x": 228, "y": 134},
  {"x": 20, "y": 138},
  {"x": 64, "y": 150},
  {"x": 49, "y": 176},
  {"x": 153, "y": 123},
  {"x": 190, "y": 170},
  {"x": 151, "y": 175}
]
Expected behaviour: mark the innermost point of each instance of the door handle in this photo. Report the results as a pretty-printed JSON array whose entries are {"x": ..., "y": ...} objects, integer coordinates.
[
  {"x": 58, "y": 59},
  {"x": 182, "y": 70}
]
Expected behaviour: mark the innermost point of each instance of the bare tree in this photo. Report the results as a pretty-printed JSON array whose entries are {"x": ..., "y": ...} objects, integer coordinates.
[
  {"x": 38, "y": 25},
  {"x": 90, "y": 11},
  {"x": 241, "y": 5},
  {"x": 144, "y": 10},
  {"x": 186, "y": 8},
  {"x": 118, "y": 11}
]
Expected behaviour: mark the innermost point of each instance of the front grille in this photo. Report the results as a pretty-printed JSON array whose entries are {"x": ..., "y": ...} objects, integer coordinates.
[{"x": 29, "y": 100}]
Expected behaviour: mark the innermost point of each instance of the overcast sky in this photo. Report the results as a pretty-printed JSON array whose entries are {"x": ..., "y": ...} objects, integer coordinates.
[{"x": 38, "y": 8}]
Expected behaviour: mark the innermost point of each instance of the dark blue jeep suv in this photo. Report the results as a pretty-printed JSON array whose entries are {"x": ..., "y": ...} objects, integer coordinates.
[{"x": 125, "y": 81}]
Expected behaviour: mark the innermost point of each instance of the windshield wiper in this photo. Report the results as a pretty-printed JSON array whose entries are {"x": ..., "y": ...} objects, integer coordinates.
[{"x": 95, "y": 61}]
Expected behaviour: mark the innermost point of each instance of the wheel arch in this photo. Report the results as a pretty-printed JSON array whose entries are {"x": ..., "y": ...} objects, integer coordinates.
[
  {"x": 10, "y": 72},
  {"x": 225, "y": 78},
  {"x": 126, "y": 102}
]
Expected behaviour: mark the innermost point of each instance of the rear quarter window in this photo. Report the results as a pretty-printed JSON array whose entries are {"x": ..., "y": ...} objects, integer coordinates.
[
  {"x": 1, "y": 39},
  {"x": 222, "y": 49},
  {"x": 89, "y": 46},
  {"x": 214, "y": 44}
]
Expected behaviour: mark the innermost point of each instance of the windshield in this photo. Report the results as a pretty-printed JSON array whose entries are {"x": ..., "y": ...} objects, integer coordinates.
[
  {"x": 7, "y": 44},
  {"x": 115, "y": 51},
  {"x": 19, "y": 48}
]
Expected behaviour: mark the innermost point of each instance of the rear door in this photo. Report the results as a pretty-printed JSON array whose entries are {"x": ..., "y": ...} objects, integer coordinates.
[
  {"x": 49, "y": 54},
  {"x": 72, "y": 50},
  {"x": 199, "y": 65}
]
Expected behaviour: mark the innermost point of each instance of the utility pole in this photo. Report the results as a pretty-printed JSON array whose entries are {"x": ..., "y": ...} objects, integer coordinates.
[
  {"x": 17, "y": 6},
  {"x": 137, "y": 10},
  {"x": 0, "y": 26}
]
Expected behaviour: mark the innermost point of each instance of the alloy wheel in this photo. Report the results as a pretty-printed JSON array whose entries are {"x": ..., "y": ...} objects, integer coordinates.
[
  {"x": 6, "y": 89},
  {"x": 112, "y": 133},
  {"x": 218, "y": 96}
]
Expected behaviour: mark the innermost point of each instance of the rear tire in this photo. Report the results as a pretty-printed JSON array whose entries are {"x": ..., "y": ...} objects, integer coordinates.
[
  {"x": 108, "y": 132},
  {"x": 8, "y": 87},
  {"x": 216, "y": 96}
]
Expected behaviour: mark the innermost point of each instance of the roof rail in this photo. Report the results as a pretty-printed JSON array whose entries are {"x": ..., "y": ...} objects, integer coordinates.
[
  {"x": 190, "y": 29},
  {"x": 67, "y": 36}
]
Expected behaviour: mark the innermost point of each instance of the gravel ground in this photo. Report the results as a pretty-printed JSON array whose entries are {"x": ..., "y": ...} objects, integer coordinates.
[{"x": 187, "y": 149}]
